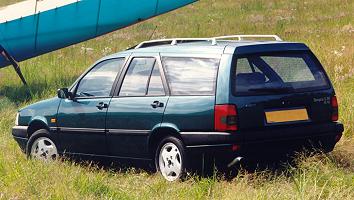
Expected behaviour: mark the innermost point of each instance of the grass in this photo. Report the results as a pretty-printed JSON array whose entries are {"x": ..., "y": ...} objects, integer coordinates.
[
  {"x": 326, "y": 26},
  {"x": 8, "y": 2}
]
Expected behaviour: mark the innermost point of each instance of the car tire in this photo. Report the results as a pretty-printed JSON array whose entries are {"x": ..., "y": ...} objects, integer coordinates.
[
  {"x": 42, "y": 146},
  {"x": 170, "y": 159}
]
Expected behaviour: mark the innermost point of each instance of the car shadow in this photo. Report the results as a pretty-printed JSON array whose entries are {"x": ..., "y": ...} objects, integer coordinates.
[
  {"x": 282, "y": 166},
  {"x": 227, "y": 174},
  {"x": 111, "y": 165}
]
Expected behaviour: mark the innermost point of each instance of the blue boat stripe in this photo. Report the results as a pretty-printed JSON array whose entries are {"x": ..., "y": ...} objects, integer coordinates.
[{"x": 52, "y": 29}]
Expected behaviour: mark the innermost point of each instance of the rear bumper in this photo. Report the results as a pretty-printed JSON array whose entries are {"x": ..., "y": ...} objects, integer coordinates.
[
  {"x": 19, "y": 133},
  {"x": 267, "y": 142}
]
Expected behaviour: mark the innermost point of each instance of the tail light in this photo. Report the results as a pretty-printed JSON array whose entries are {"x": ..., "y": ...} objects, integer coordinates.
[
  {"x": 225, "y": 118},
  {"x": 334, "y": 104}
]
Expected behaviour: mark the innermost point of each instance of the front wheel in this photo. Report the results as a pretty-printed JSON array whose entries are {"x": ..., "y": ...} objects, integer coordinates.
[
  {"x": 42, "y": 147},
  {"x": 170, "y": 159}
]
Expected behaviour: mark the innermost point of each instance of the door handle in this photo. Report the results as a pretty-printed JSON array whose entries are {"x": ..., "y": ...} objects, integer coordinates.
[
  {"x": 157, "y": 104},
  {"x": 102, "y": 106}
]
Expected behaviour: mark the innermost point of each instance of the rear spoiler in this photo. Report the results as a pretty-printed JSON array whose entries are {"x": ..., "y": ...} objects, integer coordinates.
[{"x": 267, "y": 47}]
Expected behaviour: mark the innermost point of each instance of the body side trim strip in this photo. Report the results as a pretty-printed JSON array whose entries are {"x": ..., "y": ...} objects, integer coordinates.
[
  {"x": 205, "y": 133},
  {"x": 111, "y": 131},
  {"x": 90, "y": 130},
  {"x": 211, "y": 145},
  {"x": 128, "y": 132},
  {"x": 107, "y": 156}
]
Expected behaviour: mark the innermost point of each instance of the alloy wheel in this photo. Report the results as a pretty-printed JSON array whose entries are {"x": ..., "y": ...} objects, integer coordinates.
[
  {"x": 170, "y": 162},
  {"x": 44, "y": 149}
]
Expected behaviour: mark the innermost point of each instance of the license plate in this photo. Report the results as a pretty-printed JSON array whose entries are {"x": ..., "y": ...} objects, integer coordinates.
[{"x": 281, "y": 116}]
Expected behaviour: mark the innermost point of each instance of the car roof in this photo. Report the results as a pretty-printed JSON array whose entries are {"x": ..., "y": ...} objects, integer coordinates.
[{"x": 221, "y": 47}]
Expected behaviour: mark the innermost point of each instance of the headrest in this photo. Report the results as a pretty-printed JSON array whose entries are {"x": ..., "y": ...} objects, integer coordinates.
[{"x": 247, "y": 79}]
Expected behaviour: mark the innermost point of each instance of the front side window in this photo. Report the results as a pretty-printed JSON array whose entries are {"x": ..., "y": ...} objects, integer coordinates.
[
  {"x": 278, "y": 72},
  {"x": 137, "y": 78},
  {"x": 191, "y": 76},
  {"x": 99, "y": 81}
]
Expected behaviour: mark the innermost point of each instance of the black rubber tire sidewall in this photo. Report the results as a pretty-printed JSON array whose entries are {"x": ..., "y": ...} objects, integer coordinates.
[
  {"x": 36, "y": 135},
  {"x": 181, "y": 149}
]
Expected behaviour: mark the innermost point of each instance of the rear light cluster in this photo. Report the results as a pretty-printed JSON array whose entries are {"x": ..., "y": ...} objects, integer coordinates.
[
  {"x": 225, "y": 118},
  {"x": 334, "y": 105}
]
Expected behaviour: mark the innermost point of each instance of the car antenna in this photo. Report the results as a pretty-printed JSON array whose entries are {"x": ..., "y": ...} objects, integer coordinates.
[{"x": 153, "y": 33}]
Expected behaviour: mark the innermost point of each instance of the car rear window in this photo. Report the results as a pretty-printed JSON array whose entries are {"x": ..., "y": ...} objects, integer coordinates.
[
  {"x": 191, "y": 76},
  {"x": 278, "y": 73}
]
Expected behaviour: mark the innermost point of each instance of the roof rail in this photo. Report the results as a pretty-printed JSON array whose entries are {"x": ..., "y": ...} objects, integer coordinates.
[
  {"x": 240, "y": 37},
  {"x": 175, "y": 41},
  {"x": 172, "y": 41}
]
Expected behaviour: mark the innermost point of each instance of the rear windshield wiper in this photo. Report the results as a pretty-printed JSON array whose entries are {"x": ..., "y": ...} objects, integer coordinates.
[{"x": 272, "y": 89}]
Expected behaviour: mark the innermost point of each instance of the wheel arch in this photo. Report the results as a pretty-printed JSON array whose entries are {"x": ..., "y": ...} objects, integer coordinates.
[
  {"x": 160, "y": 132},
  {"x": 37, "y": 124}
]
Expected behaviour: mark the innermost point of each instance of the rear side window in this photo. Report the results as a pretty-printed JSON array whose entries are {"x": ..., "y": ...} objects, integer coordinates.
[
  {"x": 191, "y": 76},
  {"x": 278, "y": 73}
]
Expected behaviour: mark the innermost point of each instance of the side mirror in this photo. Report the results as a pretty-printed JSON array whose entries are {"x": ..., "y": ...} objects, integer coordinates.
[{"x": 64, "y": 93}]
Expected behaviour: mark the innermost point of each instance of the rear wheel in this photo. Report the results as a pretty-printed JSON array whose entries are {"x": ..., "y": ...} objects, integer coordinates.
[
  {"x": 42, "y": 147},
  {"x": 170, "y": 159}
]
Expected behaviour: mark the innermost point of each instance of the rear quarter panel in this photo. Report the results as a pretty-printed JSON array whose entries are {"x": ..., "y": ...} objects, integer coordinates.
[{"x": 191, "y": 113}]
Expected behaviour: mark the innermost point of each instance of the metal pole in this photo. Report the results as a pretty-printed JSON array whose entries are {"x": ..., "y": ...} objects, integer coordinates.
[
  {"x": 35, "y": 8},
  {"x": 14, "y": 63}
]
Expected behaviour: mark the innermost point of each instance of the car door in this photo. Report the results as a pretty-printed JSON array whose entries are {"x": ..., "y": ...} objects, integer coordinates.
[
  {"x": 137, "y": 108},
  {"x": 81, "y": 120}
]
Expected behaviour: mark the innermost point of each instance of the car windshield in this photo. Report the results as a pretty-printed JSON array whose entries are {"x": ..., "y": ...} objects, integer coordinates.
[{"x": 278, "y": 73}]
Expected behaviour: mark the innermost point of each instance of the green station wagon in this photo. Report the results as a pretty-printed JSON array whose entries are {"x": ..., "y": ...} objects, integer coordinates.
[{"x": 174, "y": 102}]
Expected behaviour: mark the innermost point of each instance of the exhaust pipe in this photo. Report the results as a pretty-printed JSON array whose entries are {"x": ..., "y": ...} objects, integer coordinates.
[{"x": 235, "y": 161}]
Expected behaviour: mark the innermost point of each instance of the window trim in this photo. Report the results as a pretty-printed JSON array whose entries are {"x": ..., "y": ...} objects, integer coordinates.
[
  {"x": 157, "y": 58},
  {"x": 313, "y": 57},
  {"x": 74, "y": 88},
  {"x": 149, "y": 81}
]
